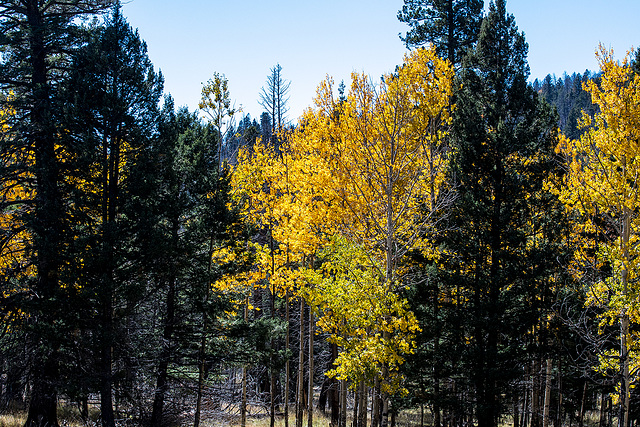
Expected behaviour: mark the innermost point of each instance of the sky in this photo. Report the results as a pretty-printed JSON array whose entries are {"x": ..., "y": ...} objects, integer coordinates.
[{"x": 189, "y": 40}]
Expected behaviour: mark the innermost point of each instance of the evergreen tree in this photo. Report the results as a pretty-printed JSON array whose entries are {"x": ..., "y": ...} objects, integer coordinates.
[
  {"x": 635, "y": 63},
  {"x": 569, "y": 98},
  {"x": 113, "y": 97},
  {"x": 179, "y": 251},
  {"x": 37, "y": 38},
  {"x": 451, "y": 25},
  {"x": 265, "y": 127},
  {"x": 500, "y": 250}
]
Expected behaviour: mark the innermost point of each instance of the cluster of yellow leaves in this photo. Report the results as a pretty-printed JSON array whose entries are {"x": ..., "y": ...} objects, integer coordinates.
[
  {"x": 362, "y": 171},
  {"x": 368, "y": 321},
  {"x": 275, "y": 194},
  {"x": 382, "y": 149},
  {"x": 15, "y": 239},
  {"x": 603, "y": 182}
]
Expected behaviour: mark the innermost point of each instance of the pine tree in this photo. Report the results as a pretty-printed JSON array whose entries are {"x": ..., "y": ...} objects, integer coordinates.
[
  {"x": 113, "y": 112},
  {"x": 499, "y": 252},
  {"x": 451, "y": 25},
  {"x": 37, "y": 38},
  {"x": 189, "y": 200}
]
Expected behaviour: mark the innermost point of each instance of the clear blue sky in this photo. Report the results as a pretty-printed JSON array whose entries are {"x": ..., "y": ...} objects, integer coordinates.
[{"x": 190, "y": 39}]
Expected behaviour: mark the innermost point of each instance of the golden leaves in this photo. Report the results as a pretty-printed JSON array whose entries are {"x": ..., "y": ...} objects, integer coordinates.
[
  {"x": 360, "y": 177},
  {"x": 602, "y": 186},
  {"x": 370, "y": 323}
]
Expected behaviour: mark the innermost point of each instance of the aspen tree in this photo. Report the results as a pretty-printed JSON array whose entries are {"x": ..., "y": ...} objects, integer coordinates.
[
  {"x": 603, "y": 179},
  {"x": 382, "y": 149}
]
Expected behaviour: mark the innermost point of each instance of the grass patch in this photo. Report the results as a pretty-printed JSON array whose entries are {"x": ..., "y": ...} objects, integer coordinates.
[
  {"x": 13, "y": 420},
  {"x": 319, "y": 420}
]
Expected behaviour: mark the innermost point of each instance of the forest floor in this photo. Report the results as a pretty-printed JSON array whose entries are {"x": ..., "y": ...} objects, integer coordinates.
[{"x": 69, "y": 417}]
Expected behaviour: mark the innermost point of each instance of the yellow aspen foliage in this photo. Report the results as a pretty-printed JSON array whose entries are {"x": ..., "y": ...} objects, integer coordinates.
[
  {"x": 361, "y": 175},
  {"x": 379, "y": 160},
  {"x": 383, "y": 154},
  {"x": 371, "y": 325},
  {"x": 276, "y": 192},
  {"x": 603, "y": 181}
]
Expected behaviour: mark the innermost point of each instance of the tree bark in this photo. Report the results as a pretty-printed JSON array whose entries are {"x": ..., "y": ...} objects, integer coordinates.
[
  {"x": 300, "y": 393},
  {"x": 535, "y": 395},
  {"x": 48, "y": 218},
  {"x": 287, "y": 372},
  {"x": 623, "y": 418},
  {"x": 334, "y": 392},
  {"x": 44, "y": 399},
  {"x": 375, "y": 402},
  {"x": 547, "y": 394},
  {"x": 167, "y": 337},
  {"x": 343, "y": 403},
  {"x": 362, "y": 415},
  {"x": 243, "y": 407},
  {"x": 582, "y": 404},
  {"x": 311, "y": 333}
]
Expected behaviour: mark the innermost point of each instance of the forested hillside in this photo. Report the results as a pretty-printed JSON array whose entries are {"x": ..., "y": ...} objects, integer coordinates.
[{"x": 450, "y": 245}]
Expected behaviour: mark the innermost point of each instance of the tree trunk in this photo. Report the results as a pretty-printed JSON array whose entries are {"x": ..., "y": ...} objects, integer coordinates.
[
  {"x": 165, "y": 357},
  {"x": 603, "y": 406},
  {"x": 106, "y": 359},
  {"x": 272, "y": 311},
  {"x": 300, "y": 393},
  {"x": 558, "y": 419},
  {"x": 360, "y": 401},
  {"x": 44, "y": 399},
  {"x": 525, "y": 407},
  {"x": 287, "y": 371},
  {"x": 311, "y": 333},
  {"x": 356, "y": 406},
  {"x": 535, "y": 395},
  {"x": 243, "y": 407},
  {"x": 375, "y": 401},
  {"x": 343, "y": 403},
  {"x": 623, "y": 418},
  {"x": 582, "y": 404},
  {"x": 48, "y": 220},
  {"x": 201, "y": 363},
  {"x": 334, "y": 392},
  {"x": 362, "y": 416},
  {"x": 547, "y": 394}
]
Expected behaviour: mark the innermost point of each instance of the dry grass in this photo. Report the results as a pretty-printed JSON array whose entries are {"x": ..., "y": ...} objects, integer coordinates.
[
  {"x": 68, "y": 416},
  {"x": 12, "y": 420},
  {"x": 319, "y": 420}
]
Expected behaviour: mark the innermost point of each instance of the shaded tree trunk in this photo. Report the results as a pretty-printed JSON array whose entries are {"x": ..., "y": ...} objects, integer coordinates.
[
  {"x": 535, "y": 395},
  {"x": 300, "y": 392},
  {"x": 287, "y": 373},
  {"x": 343, "y": 403},
  {"x": 547, "y": 394},
  {"x": 165, "y": 356},
  {"x": 311, "y": 333},
  {"x": 47, "y": 222},
  {"x": 44, "y": 399}
]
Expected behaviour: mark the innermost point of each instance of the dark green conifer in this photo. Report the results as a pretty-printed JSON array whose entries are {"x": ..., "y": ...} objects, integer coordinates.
[
  {"x": 36, "y": 40},
  {"x": 112, "y": 110},
  {"x": 503, "y": 227},
  {"x": 451, "y": 25}
]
